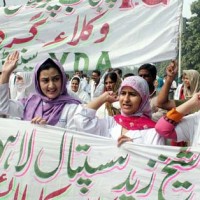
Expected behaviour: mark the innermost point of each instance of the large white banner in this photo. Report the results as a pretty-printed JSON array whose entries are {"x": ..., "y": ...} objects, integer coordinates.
[
  {"x": 40, "y": 163},
  {"x": 12, "y": 3},
  {"x": 91, "y": 34}
]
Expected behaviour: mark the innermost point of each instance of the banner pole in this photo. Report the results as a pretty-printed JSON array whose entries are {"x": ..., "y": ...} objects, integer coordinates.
[{"x": 180, "y": 46}]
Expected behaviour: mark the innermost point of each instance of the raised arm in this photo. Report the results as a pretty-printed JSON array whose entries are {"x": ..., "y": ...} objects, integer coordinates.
[
  {"x": 99, "y": 101},
  {"x": 166, "y": 125},
  {"x": 162, "y": 99},
  {"x": 7, "y": 106},
  {"x": 9, "y": 66},
  {"x": 191, "y": 104}
]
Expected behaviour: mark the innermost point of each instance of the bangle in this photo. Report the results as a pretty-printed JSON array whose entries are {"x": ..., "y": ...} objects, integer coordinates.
[
  {"x": 170, "y": 120},
  {"x": 174, "y": 115}
]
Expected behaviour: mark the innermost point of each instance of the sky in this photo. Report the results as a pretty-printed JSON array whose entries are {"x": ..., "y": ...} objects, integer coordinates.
[
  {"x": 186, "y": 8},
  {"x": 186, "y": 5}
]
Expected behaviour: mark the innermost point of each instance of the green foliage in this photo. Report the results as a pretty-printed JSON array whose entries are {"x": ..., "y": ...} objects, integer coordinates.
[
  {"x": 161, "y": 67},
  {"x": 191, "y": 40}
]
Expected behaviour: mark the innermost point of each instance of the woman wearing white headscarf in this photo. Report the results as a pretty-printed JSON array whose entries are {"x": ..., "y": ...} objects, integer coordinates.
[
  {"x": 191, "y": 83},
  {"x": 75, "y": 87},
  {"x": 24, "y": 85}
]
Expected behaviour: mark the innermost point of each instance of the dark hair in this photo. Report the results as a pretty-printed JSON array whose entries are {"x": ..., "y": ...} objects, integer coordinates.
[
  {"x": 127, "y": 75},
  {"x": 112, "y": 75},
  {"x": 119, "y": 71},
  {"x": 76, "y": 78},
  {"x": 67, "y": 76},
  {"x": 47, "y": 64},
  {"x": 151, "y": 69},
  {"x": 97, "y": 72},
  {"x": 84, "y": 75}
]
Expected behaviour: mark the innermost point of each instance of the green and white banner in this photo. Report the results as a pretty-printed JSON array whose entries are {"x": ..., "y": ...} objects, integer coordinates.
[
  {"x": 88, "y": 35},
  {"x": 44, "y": 162}
]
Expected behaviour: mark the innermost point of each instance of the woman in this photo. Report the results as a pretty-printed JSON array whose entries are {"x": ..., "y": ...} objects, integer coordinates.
[
  {"x": 191, "y": 84},
  {"x": 2, "y": 115},
  {"x": 178, "y": 94},
  {"x": 75, "y": 87},
  {"x": 112, "y": 82},
  {"x": 50, "y": 104},
  {"x": 24, "y": 85},
  {"x": 158, "y": 83},
  {"x": 133, "y": 124},
  {"x": 179, "y": 128},
  {"x": 191, "y": 81}
]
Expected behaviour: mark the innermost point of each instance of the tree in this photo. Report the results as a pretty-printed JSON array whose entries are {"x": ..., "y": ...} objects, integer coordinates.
[{"x": 191, "y": 39}]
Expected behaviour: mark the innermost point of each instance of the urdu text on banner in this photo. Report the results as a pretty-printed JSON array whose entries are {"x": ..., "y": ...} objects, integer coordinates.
[
  {"x": 89, "y": 35},
  {"x": 44, "y": 162}
]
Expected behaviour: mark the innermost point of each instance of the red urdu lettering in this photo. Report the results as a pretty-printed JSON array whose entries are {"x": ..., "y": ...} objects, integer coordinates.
[
  {"x": 155, "y": 2},
  {"x": 2, "y": 36},
  {"x": 126, "y": 4},
  {"x": 86, "y": 30},
  {"x": 10, "y": 188},
  {"x": 58, "y": 39},
  {"x": 3, "y": 178},
  {"x": 36, "y": 16},
  {"x": 33, "y": 31},
  {"x": 104, "y": 30}
]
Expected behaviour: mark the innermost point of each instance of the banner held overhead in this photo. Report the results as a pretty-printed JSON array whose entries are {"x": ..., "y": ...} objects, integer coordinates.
[{"x": 89, "y": 35}]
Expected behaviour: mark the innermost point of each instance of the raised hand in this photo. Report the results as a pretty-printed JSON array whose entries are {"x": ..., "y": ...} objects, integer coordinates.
[
  {"x": 172, "y": 69},
  {"x": 110, "y": 96},
  {"x": 8, "y": 67},
  {"x": 10, "y": 62},
  {"x": 99, "y": 101}
]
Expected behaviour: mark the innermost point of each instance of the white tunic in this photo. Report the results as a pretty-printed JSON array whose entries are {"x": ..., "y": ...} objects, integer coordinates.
[
  {"x": 189, "y": 129},
  {"x": 102, "y": 112},
  {"x": 86, "y": 121},
  {"x": 16, "y": 109}
]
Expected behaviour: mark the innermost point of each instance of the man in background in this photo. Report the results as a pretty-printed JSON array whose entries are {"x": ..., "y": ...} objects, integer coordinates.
[{"x": 96, "y": 86}]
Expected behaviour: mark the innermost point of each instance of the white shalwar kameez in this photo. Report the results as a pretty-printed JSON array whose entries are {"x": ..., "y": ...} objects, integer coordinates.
[{"x": 86, "y": 120}]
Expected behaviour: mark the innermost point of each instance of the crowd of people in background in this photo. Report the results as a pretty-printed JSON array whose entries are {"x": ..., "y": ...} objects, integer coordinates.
[{"x": 141, "y": 108}]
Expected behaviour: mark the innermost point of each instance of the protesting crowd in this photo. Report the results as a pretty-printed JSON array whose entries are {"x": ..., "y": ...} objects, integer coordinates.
[{"x": 142, "y": 108}]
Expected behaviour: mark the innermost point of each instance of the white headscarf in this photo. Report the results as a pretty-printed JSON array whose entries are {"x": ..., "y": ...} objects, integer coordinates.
[
  {"x": 25, "y": 88},
  {"x": 79, "y": 86},
  {"x": 80, "y": 93},
  {"x": 194, "y": 79}
]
